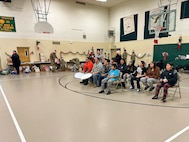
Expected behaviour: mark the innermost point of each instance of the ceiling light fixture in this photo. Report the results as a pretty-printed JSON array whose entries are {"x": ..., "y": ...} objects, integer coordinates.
[{"x": 102, "y": 0}]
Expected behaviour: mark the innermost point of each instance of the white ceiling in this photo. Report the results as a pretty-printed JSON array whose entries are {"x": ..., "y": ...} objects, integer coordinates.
[{"x": 108, "y": 4}]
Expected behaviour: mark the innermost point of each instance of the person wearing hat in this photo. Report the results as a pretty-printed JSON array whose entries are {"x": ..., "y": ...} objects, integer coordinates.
[
  {"x": 15, "y": 60},
  {"x": 168, "y": 78}
]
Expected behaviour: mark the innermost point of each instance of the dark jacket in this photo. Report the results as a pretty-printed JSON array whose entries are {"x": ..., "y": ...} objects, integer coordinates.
[
  {"x": 131, "y": 69},
  {"x": 122, "y": 68},
  {"x": 117, "y": 58},
  {"x": 15, "y": 60},
  {"x": 171, "y": 76}
]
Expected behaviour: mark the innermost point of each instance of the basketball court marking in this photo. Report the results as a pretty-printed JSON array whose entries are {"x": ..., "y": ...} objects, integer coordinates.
[
  {"x": 177, "y": 134},
  {"x": 109, "y": 99},
  {"x": 22, "y": 138}
]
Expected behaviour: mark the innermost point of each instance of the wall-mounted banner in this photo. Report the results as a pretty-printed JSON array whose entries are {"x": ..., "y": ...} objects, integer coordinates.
[
  {"x": 128, "y": 24},
  {"x": 7, "y": 24}
]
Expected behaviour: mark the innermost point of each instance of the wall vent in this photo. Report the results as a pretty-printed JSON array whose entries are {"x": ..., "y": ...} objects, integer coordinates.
[{"x": 56, "y": 42}]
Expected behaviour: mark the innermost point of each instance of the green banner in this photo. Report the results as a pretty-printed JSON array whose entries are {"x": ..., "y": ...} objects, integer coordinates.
[{"x": 7, "y": 24}]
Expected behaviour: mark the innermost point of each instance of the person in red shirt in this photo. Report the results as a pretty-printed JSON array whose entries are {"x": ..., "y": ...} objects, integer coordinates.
[
  {"x": 87, "y": 69},
  {"x": 87, "y": 66}
]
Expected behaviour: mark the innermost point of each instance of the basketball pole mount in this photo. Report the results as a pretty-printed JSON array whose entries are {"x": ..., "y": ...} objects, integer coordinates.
[{"x": 41, "y": 10}]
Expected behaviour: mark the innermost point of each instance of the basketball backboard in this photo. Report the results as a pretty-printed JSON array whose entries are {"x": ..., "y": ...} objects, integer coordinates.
[{"x": 163, "y": 18}]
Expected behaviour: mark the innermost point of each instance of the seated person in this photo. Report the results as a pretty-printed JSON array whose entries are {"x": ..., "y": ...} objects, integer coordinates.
[
  {"x": 131, "y": 70},
  {"x": 96, "y": 70},
  {"x": 86, "y": 69},
  {"x": 152, "y": 75},
  {"x": 168, "y": 78},
  {"x": 62, "y": 64},
  {"x": 140, "y": 72},
  {"x": 76, "y": 64},
  {"x": 104, "y": 74},
  {"x": 113, "y": 75},
  {"x": 123, "y": 69}
]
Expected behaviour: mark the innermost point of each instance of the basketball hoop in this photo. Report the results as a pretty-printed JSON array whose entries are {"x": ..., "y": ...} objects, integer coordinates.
[
  {"x": 43, "y": 27},
  {"x": 41, "y": 10}
]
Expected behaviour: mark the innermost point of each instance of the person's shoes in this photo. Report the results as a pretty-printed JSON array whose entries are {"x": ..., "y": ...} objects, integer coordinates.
[
  {"x": 155, "y": 97},
  {"x": 108, "y": 93},
  {"x": 132, "y": 88},
  {"x": 102, "y": 91},
  {"x": 85, "y": 83},
  {"x": 152, "y": 88},
  {"x": 163, "y": 100},
  {"x": 138, "y": 90},
  {"x": 81, "y": 82},
  {"x": 146, "y": 87}
]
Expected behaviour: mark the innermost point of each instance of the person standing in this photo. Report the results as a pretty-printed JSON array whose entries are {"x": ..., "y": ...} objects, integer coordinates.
[
  {"x": 53, "y": 58},
  {"x": 117, "y": 58},
  {"x": 124, "y": 55},
  {"x": 55, "y": 63},
  {"x": 99, "y": 55},
  {"x": 15, "y": 60},
  {"x": 133, "y": 55}
]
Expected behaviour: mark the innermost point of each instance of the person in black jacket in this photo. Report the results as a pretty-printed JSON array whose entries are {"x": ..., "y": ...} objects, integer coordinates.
[
  {"x": 140, "y": 72},
  {"x": 117, "y": 58},
  {"x": 15, "y": 60},
  {"x": 168, "y": 78},
  {"x": 122, "y": 67}
]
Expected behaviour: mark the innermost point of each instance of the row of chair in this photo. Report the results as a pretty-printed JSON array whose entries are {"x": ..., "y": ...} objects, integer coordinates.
[{"x": 176, "y": 87}]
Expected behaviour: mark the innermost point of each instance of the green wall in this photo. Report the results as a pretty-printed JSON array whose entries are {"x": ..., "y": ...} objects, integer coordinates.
[{"x": 173, "y": 53}]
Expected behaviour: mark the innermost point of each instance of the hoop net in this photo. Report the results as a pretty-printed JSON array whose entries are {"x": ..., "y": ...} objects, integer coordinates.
[{"x": 157, "y": 30}]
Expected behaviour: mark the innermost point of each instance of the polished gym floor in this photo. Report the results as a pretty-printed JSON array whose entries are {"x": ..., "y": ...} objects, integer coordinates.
[{"x": 55, "y": 107}]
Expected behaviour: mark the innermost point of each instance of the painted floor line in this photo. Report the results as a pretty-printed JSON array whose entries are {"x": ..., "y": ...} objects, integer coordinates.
[
  {"x": 177, "y": 134},
  {"x": 22, "y": 138}
]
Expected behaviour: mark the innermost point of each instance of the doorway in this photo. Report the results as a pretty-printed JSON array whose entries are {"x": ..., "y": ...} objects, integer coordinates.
[{"x": 23, "y": 52}]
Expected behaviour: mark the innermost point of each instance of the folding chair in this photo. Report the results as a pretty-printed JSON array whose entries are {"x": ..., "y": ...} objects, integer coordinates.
[
  {"x": 176, "y": 88},
  {"x": 118, "y": 82}
]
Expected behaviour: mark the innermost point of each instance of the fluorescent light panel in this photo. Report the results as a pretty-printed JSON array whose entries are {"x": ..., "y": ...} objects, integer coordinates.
[{"x": 102, "y": 0}]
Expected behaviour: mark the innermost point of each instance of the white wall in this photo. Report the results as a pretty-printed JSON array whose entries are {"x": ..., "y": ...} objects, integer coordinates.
[
  {"x": 64, "y": 16},
  {"x": 139, "y": 7}
]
